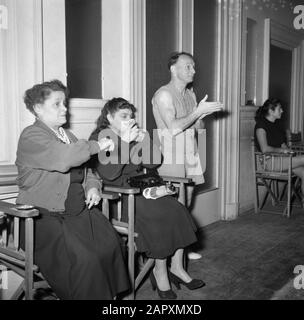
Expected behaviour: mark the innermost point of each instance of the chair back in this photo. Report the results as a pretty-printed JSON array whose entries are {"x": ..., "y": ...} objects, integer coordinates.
[
  {"x": 271, "y": 163},
  {"x": 295, "y": 143},
  {"x": 294, "y": 138},
  {"x": 128, "y": 228},
  {"x": 269, "y": 169},
  {"x": 11, "y": 255}
]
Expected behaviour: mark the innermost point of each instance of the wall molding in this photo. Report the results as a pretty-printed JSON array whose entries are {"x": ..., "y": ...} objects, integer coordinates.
[
  {"x": 84, "y": 113},
  {"x": 301, "y": 86},
  {"x": 38, "y": 40},
  {"x": 78, "y": 103},
  {"x": 230, "y": 79},
  {"x": 8, "y": 175},
  {"x": 282, "y": 34},
  {"x": 8, "y": 170},
  {"x": 138, "y": 59},
  {"x": 247, "y": 113},
  {"x": 266, "y": 56}
]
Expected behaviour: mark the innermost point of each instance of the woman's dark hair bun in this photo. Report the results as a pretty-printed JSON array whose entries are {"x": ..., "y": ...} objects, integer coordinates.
[{"x": 269, "y": 104}]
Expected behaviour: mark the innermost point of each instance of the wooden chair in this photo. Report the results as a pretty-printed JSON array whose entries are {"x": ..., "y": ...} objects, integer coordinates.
[
  {"x": 22, "y": 262},
  {"x": 295, "y": 143},
  {"x": 268, "y": 172},
  {"x": 11, "y": 256},
  {"x": 294, "y": 139},
  {"x": 128, "y": 228}
]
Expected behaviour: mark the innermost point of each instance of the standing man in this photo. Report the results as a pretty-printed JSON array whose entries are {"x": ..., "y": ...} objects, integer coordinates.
[{"x": 178, "y": 116}]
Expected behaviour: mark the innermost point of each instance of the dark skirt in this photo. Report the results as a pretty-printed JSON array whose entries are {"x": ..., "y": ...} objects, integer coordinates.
[
  {"x": 80, "y": 255},
  {"x": 163, "y": 225}
]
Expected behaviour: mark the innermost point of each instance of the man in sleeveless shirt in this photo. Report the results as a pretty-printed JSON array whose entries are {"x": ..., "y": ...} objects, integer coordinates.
[{"x": 178, "y": 116}]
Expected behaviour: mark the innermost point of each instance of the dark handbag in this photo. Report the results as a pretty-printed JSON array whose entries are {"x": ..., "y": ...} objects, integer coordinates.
[{"x": 147, "y": 180}]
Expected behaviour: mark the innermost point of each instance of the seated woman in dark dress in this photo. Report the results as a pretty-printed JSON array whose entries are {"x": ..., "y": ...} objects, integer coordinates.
[
  {"x": 270, "y": 136},
  {"x": 164, "y": 225},
  {"x": 76, "y": 248}
]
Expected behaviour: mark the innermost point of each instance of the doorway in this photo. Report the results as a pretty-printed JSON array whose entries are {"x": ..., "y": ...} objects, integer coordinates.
[
  {"x": 280, "y": 66},
  {"x": 283, "y": 58}
]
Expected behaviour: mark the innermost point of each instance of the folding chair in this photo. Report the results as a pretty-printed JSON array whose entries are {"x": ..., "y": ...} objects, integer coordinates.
[
  {"x": 294, "y": 139},
  {"x": 295, "y": 142},
  {"x": 268, "y": 171},
  {"x": 128, "y": 228},
  {"x": 13, "y": 257}
]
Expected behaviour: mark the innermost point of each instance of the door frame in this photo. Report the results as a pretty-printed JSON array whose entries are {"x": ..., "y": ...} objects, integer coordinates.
[
  {"x": 230, "y": 49},
  {"x": 286, "y": 38}
]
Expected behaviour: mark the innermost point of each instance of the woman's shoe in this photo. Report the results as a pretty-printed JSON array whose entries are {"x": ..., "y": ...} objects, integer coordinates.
[
  {"x": 192, "y": 285},
  {"x": 165, "y": 295}
]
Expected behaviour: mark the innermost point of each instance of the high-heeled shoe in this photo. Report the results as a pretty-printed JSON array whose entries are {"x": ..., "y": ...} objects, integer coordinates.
[
  {"x": 165, "y": 295},
  {"x": 192, "y": 285}
]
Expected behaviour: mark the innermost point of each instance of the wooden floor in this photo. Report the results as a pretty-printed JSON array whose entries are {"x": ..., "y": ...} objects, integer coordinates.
[{"x": 252, "y": 257}]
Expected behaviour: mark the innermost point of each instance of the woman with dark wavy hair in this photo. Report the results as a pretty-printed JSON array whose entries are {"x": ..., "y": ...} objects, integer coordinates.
[
  {"x": 270, "y": 136},
  {"x": 164, "y": 225},
  {"x": 76, "y": 248}
]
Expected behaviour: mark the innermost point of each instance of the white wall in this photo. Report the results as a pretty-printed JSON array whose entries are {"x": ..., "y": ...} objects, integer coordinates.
[
  {"x": 32, "y": 49},
  {"x": 54, "y": 49},
  {"x": 206, "y": 208},
  {"x": 116, "y": 48},
  {"x": 20, "y": 65},
  {"x": 24, "y": 63}
]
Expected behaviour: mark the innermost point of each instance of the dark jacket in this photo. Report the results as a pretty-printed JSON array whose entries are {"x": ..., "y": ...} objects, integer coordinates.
[
  {"x": 43, "y": 163},
  {"x": 139, "y": 156}
]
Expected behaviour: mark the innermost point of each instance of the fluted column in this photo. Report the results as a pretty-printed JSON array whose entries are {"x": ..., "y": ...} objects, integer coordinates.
[{"x": 229, "y": 93}]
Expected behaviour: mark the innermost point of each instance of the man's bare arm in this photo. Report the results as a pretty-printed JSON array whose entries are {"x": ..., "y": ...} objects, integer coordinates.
[
  {"x": 168, "y": 113},
  {"x": 177, "y": 125}
]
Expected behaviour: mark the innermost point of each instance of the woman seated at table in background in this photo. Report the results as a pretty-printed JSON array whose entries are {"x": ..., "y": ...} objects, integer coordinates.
[
  {"x": 164, "y": 225},
  {"x": 270, "y": 136},
  {"x": 76, "y": 248}
]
